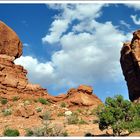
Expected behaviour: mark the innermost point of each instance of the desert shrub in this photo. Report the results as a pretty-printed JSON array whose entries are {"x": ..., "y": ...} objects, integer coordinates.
[
  {"x": 27, "y": 102},
  {"x": 7, "y": 112},
  {"x": 81, "y": 121},
  {"x": 4, "y": 101},
  {"x": 11, "y": 132},
  {"x": 46, "y": 115},
  {"x": 65, "y": 134},
  {"x": 29, "y": 132},
  {"x": 38, "y": 109},
  {"x": 43, "y": 101},
  {"x": 73, "y": 119},
  {"x": 60, "y": 114},
  {"x": 118, "y": 114},
  {"x": 93, "y": 111},
  {"x": 79, "y": 110},
  {"x": 39, "y": 131},
  {"x": 63, "y": 104},
  {"x": 16, "y": 98},
  {"x": 48, "y": 130}
]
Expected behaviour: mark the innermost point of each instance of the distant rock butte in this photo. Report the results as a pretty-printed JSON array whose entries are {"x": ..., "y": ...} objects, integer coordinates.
[
  {"x": 81, "y": 96},
  {"x": 130, "y": 63},
  {"x": 13, "y": 80}
]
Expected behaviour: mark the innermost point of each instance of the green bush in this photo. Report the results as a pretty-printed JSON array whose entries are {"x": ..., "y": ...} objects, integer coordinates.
[
  {"x": 81, "y": 121},
  {"x": 11, "y": 132},
  {"x": 65, "y": 134},
  {"x": 118, "y": 114},
  {"x": 16, "y": 98},
  {"x": 4, "y": 101},
  {"x": 136, "y": 122},
  {"x": 7, "y": 112},
  {"x": 29, "y": 132},
  {"x": 79, "y": 110},
  {"x": 93, "y": 112},
  {"x": 38, "y": 109},
  {"x": 43, "y": 101},
  {"x": 63, "y": 104}
]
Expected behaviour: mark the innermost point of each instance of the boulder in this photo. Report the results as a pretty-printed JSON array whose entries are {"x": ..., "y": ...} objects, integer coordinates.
[
  {"x": 85, "y": 89},
  {"x": 82, "y": 96},
  {"x": 10, "y": 44}
]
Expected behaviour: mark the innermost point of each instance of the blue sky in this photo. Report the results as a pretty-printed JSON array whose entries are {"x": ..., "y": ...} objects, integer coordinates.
[{"x": 66, "y": 45}]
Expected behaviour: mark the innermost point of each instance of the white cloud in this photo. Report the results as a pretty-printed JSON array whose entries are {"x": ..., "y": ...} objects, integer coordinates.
[
  {"x": 135, "y": 6},
  {"x": 70, "y": 12},
  {"x": 58, "y": 27},
  {"x": 135, "y": 19},
  {"x": 37, "y": 71},
  {"x": 26, "y": 45},
  {"x": 122, "y": 22},
  {"x": 90, "y": 50}
]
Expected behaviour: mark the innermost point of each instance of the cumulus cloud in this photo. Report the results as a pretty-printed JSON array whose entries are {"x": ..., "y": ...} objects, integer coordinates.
[
  {"x": 37, "y": 70},
  {"x": 69, "y": 13},
  {"x": 90, "y": 50},
  {"x": 135, "y": 19},
  {"x": 58, "y": 27}
]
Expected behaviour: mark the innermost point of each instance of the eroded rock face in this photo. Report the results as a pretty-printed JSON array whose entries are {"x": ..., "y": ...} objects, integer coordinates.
[
  {"x": 82, "y": 96},
  {"x": 13, "y": 78},
  {"x": 85, "y": 89},
  {"x": 9, "y": 42},
  {"x": 24, "y": 111},
  {"x": 130, "y": 63}
]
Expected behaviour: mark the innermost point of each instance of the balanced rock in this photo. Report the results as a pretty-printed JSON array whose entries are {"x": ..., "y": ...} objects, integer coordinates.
[
  {"x": 9, "y": 42},
  {"x": 130, "y": 63},
  {"x": 13, "y": 78}
]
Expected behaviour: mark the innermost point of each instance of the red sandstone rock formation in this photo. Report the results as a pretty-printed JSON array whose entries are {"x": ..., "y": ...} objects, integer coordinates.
[
  {"x": 9, "y": 42},
  {"x": 130, "y": 63},
  {"x": 82, "y": 96},
  {"x": 13, "y": 78}
]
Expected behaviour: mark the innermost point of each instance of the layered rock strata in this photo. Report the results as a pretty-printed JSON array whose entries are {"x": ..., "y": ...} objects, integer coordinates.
[{"x": 13, "y": 78}]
